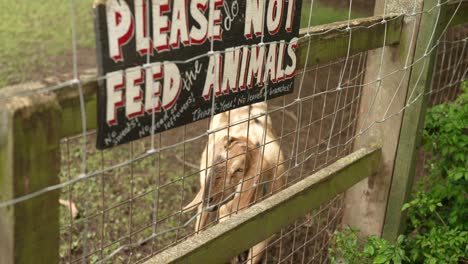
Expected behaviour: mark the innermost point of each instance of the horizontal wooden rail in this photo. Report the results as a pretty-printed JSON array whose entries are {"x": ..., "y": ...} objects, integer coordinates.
[
  {"x": 330, "y": 42},
  {"x": 238, "y": 233}
]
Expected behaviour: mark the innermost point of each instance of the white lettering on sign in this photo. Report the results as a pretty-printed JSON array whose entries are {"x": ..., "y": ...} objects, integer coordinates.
[
  {"x": 161, "y": 25},
  {"x": 291, "y": 69},
  {"x": 231, "y": 69},
  {"x": 198, "y": 34},
  {"x": 170, "y": 31},
  {"x": 257, "y": 60},
  {"x": 172, "y": 85},
  {"x": 153, "y": 88},
  {"x": 225, "y": 74},
  {"x": 134, "y": 93},
  {"x": 119, "y": 27},
  {"x": 290, "y": 15},
  {"x": 270, "y": 64},
  {"x": 171, "y": 62},
  {"x": 128, "y": 88},
  {"x": 234, "y": 70},
  {"x": 274, "y": 16},
  {"x": 213, "y": 77},
  {"x": 115, "y": 83},
  {"x": 253, "y": 18},
  {"x": 143, "y": 43},
  {"x": 215, "y": 19},
  {"x": 179, "y": 31}
]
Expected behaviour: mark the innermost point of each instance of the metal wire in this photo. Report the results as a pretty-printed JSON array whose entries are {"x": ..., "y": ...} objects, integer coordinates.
[{"x": 131, "y": 198}]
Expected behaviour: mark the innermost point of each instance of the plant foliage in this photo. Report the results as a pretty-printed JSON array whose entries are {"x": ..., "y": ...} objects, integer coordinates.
[{"x": 437, "y": 223}]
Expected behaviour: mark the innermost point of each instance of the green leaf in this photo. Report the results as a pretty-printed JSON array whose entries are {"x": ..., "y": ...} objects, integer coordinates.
[
  {"x": 397, "y": 259},
  {"x": 458, "y": 175},
  {"x": 400, "y": 239},
  {"x": 368, "y": 249},
  {"x": 380, "y": 259},
  {"x": 405, "y": 206}
]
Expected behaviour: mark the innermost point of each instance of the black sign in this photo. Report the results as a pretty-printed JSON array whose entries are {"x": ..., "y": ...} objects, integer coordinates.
[{"x": 165, "y": 63}]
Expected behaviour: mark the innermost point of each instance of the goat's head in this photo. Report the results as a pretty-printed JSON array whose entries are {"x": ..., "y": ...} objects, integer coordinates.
[{"x": 229, "y": 172}]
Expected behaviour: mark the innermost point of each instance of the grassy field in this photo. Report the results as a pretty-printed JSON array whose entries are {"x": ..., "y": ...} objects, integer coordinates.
[{"x": 36, "y": 36}]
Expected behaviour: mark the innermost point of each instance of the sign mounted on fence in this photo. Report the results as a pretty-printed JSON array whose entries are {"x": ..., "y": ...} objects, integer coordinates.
[{"x": 166, "y": 63}]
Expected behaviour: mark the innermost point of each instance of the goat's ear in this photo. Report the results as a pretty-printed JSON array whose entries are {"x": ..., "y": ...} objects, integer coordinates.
[
  {"x": 227, "y": 141},
  {"x": 195, "y": 202}
]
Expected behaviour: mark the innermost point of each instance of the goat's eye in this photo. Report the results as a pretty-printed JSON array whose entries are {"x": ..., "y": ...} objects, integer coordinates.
[{"x": 240, "y": 170}]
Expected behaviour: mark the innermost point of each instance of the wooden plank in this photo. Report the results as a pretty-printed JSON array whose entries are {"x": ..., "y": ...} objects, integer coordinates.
[
  {"x": 29, "y": 161},
  {"x": 330, "y": 42},
  {"x": 366, "y": 202},
  {"x": 238, "y": 233},
  {"x": 413, "y": 120}
]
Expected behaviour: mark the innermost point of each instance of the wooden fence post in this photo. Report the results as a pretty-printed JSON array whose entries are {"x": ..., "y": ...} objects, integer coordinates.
[
  {"x": 29, "y": 161},
  {"x": 366, "y": 202},
  {"x": 430, "y": 30}
]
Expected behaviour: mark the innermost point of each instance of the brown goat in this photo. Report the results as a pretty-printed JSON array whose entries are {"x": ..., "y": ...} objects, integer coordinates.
[{"x": 238, "y": 169}]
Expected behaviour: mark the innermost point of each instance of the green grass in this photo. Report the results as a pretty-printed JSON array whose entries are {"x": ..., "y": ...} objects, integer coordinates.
[
  {"x": 36, "y": 35},
  {"x": 322, "y": 14}
]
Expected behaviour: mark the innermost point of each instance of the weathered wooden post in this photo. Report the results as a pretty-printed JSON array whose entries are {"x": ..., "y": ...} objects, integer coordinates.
[
  {"x": 395, "y": 83},
  {"x": 29, "y": 161},
  {"x": 432, "y": 27}
]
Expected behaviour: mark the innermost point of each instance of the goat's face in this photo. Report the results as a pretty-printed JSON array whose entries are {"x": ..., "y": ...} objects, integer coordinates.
[{"x": 225, "y": 176}]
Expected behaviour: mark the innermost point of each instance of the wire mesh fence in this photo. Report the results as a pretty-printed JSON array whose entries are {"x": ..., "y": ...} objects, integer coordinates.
[
  {"x": 127, "y": 203},
  {"x": 449, "y": 75},
  {"x": 452, "y": 65}
]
